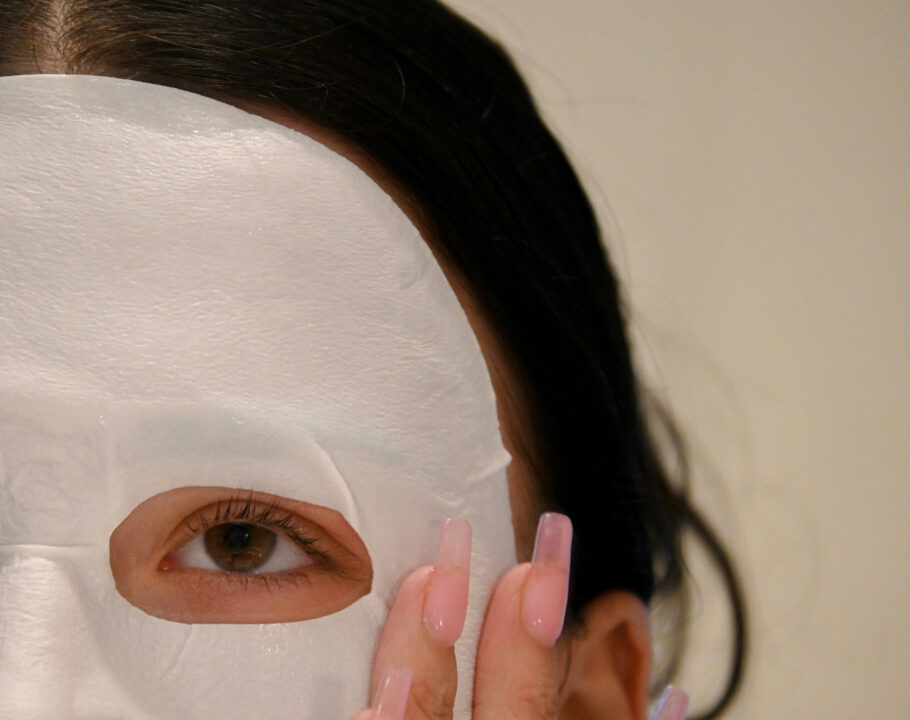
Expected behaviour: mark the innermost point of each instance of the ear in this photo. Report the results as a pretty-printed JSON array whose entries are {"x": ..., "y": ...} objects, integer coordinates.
[{"x": 609, "y": 661}]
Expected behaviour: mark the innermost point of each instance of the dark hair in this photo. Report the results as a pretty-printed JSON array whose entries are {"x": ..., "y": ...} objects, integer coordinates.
[{"x": 440, "y": 108}]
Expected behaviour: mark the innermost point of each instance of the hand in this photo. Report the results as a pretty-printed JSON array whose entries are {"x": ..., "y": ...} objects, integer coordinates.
[{"x": 516, "y": 675}]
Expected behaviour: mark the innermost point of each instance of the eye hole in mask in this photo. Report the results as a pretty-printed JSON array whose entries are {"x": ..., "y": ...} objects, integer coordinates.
[{"x": 216, "y": 555}]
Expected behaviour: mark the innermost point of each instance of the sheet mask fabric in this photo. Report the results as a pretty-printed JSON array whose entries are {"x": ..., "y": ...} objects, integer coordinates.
[{"x": 194, "y": 295}]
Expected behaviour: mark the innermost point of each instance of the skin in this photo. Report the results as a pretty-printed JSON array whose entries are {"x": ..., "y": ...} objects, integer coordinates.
[{"x": 595, "y": 671}]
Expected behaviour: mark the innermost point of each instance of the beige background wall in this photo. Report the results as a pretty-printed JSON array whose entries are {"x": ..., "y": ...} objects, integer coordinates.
[{"x": 753, "y": 162}]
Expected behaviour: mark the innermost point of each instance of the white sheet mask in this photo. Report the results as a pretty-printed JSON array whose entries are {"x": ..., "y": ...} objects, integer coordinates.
[{"x": 193, "y": 295}]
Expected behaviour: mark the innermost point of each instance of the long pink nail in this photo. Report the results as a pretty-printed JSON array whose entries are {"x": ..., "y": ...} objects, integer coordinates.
[
  {"x": 672, "y": 705},
  {"x": 543, "y": 604},
  {"x": 447, "y": 596},
  {"x": 392, "y": 695}
]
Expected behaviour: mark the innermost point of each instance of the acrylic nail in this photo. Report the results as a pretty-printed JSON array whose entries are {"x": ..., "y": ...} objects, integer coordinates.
[
  {"x": 672, "y": 705},
  {"x": 392, "y": 695},
  {"x": 543, "y": 603},
  {"x": 446, "y": 601}
]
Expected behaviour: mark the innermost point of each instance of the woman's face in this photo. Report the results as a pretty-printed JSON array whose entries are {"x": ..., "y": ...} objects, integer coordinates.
[{"x": 228, "y": 351}]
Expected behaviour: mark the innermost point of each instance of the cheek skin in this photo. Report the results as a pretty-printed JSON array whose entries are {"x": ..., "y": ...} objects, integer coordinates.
[
  {"x": 523, "y": 495},
  {"x": 524, "y": 507}
]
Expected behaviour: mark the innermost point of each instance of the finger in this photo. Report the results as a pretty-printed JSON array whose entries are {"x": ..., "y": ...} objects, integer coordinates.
[
  {"x": 390, "y": 697},
  {"x": 516, "y": 677},
  {"x": 672, "y": 705},
  {"x": 424, "y": 623}
]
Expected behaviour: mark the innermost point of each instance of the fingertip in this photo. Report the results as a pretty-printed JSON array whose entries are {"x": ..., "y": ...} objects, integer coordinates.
[
  {"x": 414, "y": 585},
  {"x": 392, "y": 695},
  {"x": 402, "y": 625},
  {"x": 446, "y": 602},
  {"x": 547, "y": 587},
  {"x": 405, "y": 643},
  {"x": 514, "y": 668}
]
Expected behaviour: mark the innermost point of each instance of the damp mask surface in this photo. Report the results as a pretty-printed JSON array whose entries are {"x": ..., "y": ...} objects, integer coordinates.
[{"x": 193, "y": 295}]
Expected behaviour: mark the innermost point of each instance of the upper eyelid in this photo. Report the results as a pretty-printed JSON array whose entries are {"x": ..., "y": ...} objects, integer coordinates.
[
  {"x": 247, "y": 508},
  {"x": 234, "y": 509},
  {"x": 221, "y": 510}
]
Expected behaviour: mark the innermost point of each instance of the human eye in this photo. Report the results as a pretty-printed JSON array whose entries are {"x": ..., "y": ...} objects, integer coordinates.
[
  {"x": 202, "y": 554},
  {"x": 245, "y": 536}
]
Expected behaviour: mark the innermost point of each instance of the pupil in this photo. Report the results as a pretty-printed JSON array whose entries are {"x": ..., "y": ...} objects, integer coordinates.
[
  {"x": 237, "y": 538},
  {"x": 239, "y": 547}
]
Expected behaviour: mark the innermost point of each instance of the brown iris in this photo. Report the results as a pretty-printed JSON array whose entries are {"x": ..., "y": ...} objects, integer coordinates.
[{"x": 239, "y": 547}]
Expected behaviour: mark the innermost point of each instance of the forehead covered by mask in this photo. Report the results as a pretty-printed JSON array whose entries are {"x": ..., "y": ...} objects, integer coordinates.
[{"x": 191, "y": 295}]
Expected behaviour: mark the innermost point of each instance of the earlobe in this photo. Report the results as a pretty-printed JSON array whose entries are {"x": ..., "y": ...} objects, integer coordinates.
[{"x": 609, "y": 661}]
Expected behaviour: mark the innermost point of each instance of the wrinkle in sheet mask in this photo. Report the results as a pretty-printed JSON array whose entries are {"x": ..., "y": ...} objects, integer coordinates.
[{"x": 193, "y": 295}]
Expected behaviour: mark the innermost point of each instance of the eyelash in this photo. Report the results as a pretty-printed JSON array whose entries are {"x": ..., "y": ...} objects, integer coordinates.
[{"x": 271, "y": 516}]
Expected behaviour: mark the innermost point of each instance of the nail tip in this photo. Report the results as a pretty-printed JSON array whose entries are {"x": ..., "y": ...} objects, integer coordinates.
[
  {"x": 545, "y": 637},
  {"x": 446, "y": 601},
  {"x": 392, "y": 694},
  {"x": 553, "y": 544},
  {"x": 459, "y": 523},
  {"x": 546, "y": 589},
  {"x": 671, "y": 705},
  {"x": 454, "y": 548}
]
